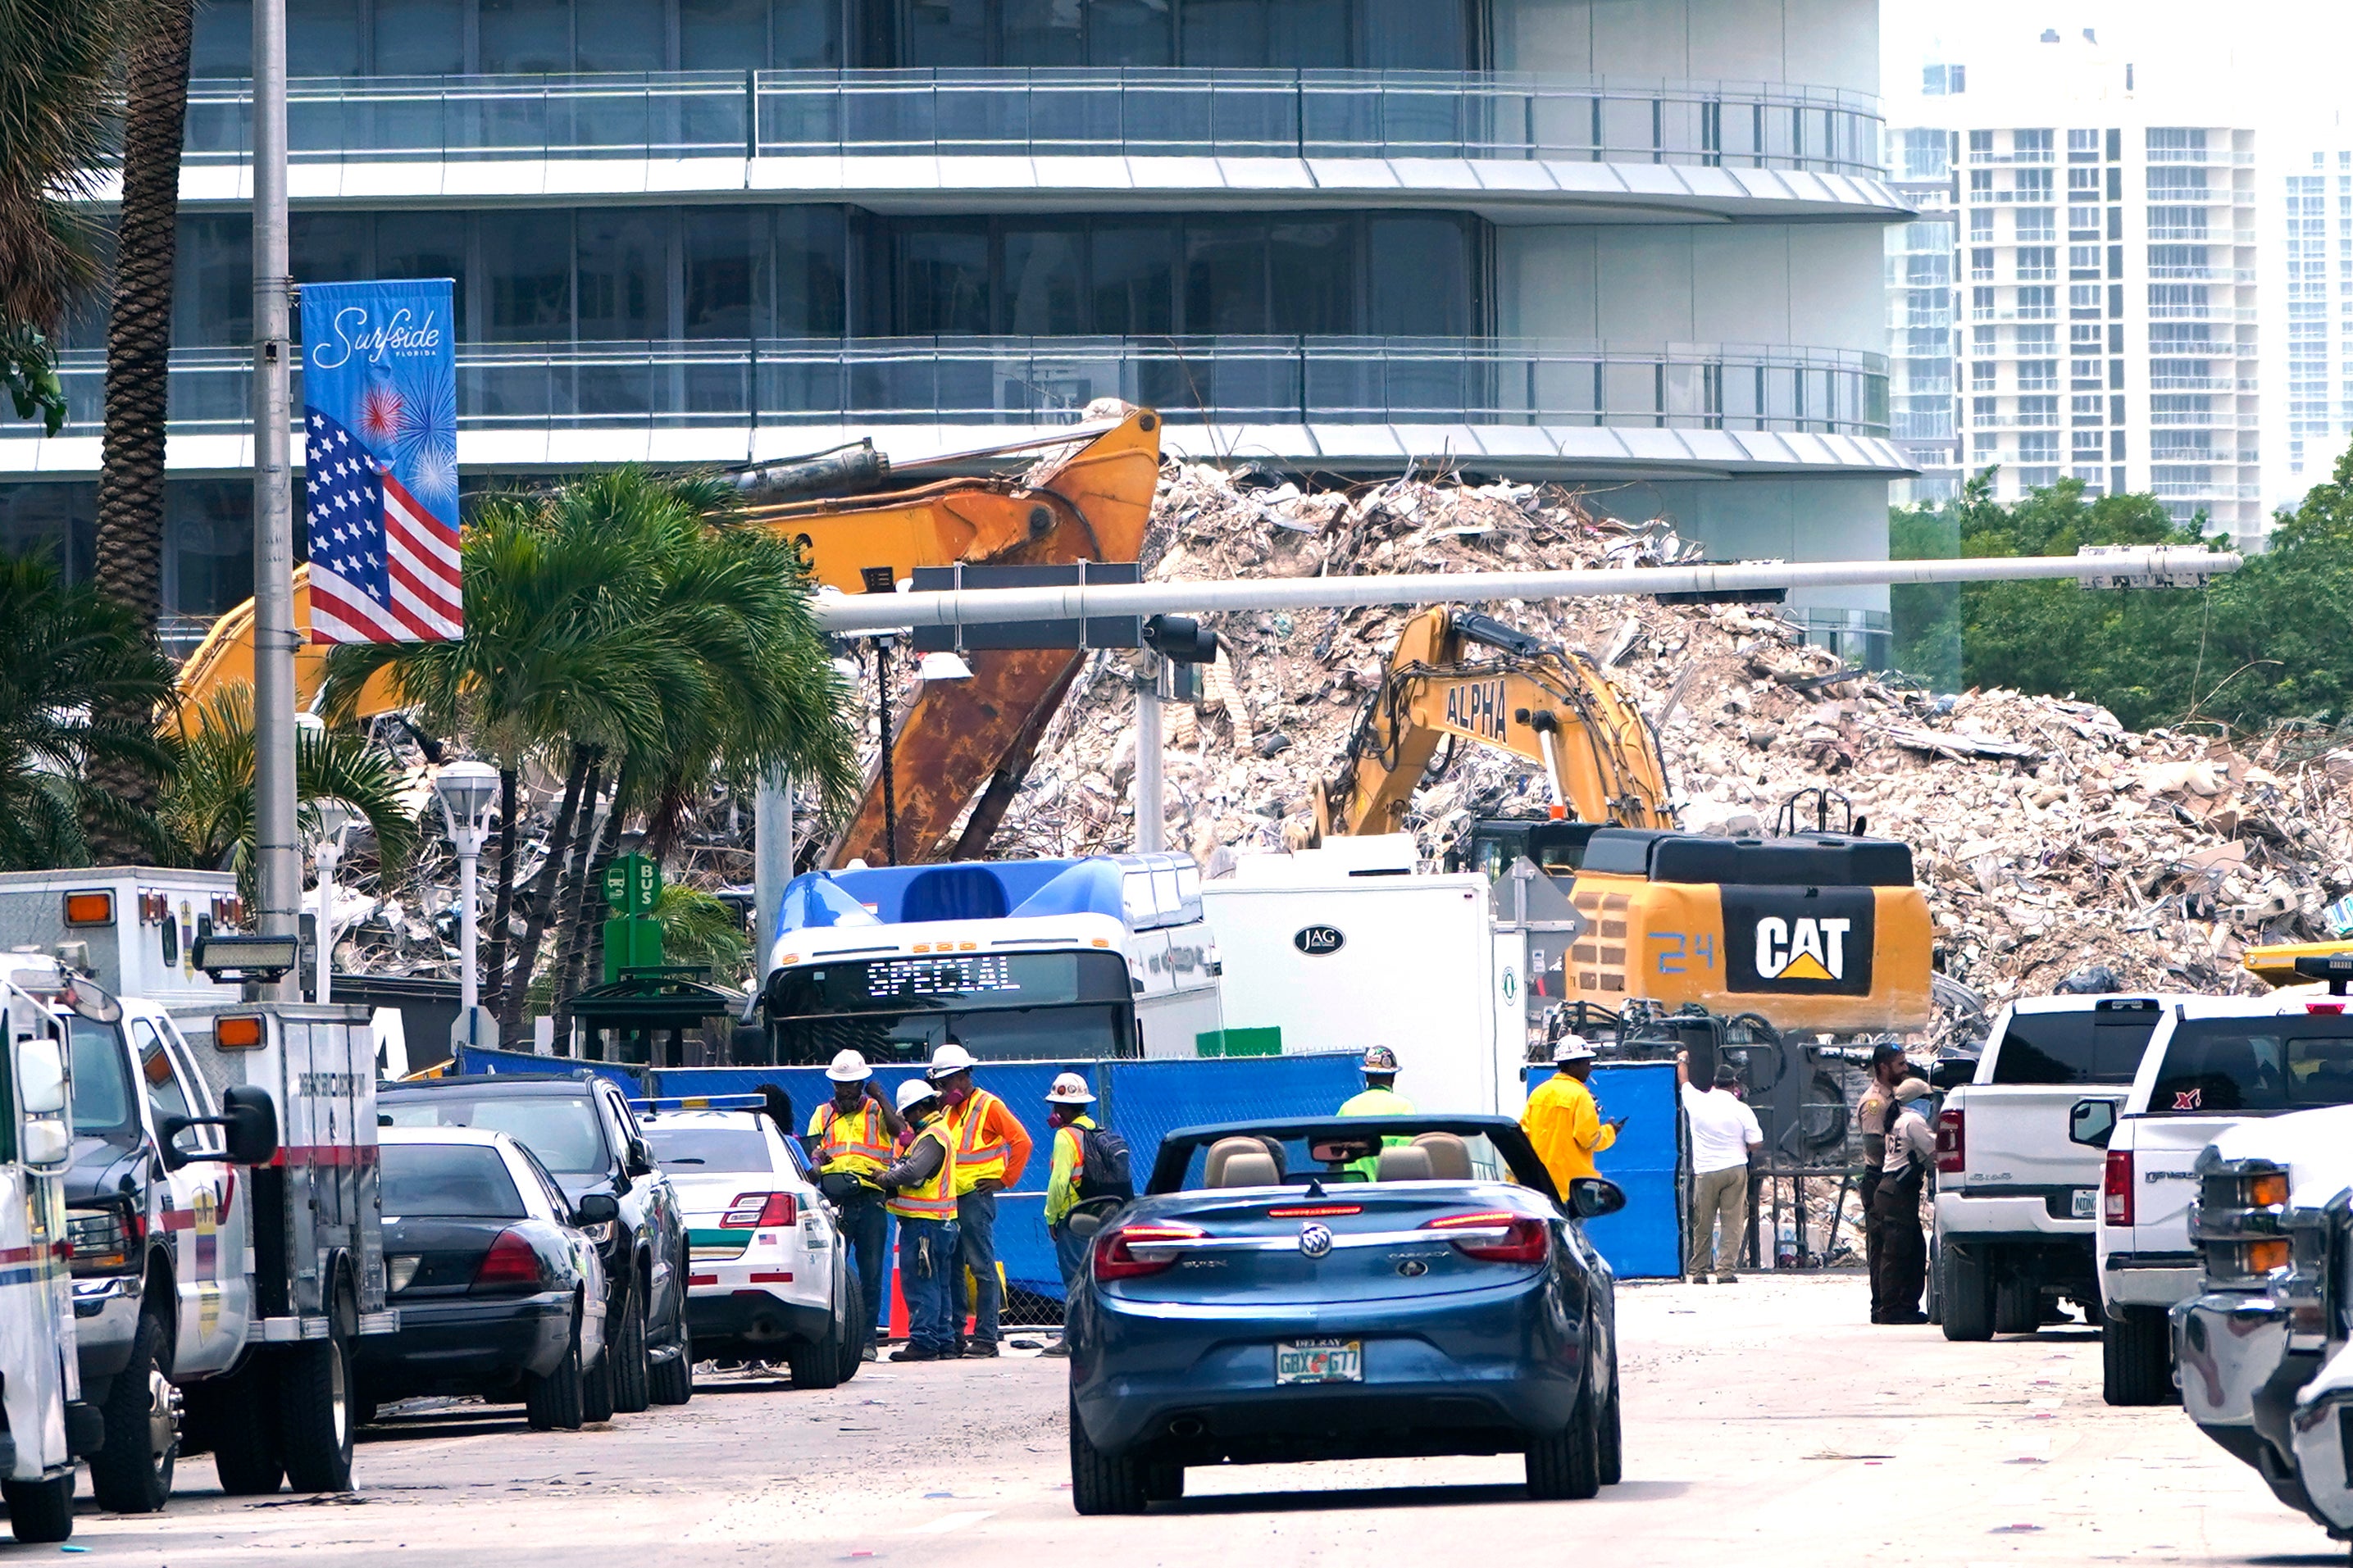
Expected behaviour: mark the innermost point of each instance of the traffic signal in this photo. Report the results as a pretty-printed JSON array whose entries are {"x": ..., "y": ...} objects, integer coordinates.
[{"x": 1180, "y": 639}]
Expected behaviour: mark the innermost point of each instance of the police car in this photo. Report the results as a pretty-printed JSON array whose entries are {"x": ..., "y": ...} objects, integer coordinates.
[{"x": 768, "y": 1276}]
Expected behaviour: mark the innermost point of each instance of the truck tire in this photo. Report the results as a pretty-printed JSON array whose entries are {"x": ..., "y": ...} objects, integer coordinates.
[
  {"x": 553, "y": 1402},
  {"x": 132, "y": 1471},
  {"x": 244, "y": 1427},
  {"x": 315, "y": 1405},
  {"x": 1968, "y": 1293},
  {"x": 627, "y": 1351},
  {"x": 1566, "y": 1465},
  {"x": 672, "y": 1381},
  {"x": 2136, "y": 1358},
  {"x": 1100, "y": 1482},
  {"x": 853, "y": 1315},
  {"x": 2017, "y": 1304},
  {"x": 39, "y": 1512}
]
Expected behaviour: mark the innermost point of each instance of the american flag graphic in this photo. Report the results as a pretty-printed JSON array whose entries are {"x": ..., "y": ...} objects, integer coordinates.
[{"x": 382, "y": 567}]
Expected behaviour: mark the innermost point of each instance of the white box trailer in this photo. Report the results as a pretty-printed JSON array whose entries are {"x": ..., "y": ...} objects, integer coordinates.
[
  {"x": 137, "y": 926},
  {"x": 1348, "y": 946}
]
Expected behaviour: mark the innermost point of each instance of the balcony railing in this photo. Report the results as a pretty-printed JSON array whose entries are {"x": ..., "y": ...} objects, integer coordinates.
[
  {"x": 1061, "y": 113},
  {"x": 1049, "y": 381}
]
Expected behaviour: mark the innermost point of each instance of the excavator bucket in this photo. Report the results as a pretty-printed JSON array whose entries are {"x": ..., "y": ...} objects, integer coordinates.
[
  {"x": 963, "y": 739},
  {"x": 225, "y": 659}
]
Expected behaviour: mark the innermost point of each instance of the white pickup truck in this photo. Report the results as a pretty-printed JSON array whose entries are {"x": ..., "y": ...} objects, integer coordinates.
[
  {"x": 2017, "y": 1199},
  {"x": 2214, "y": 1063}
]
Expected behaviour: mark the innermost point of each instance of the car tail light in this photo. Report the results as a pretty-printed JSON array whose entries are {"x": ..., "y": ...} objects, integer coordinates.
[
  {"x": 1315, "y": 1211},
  {"x": 2117, "y": 1188},
  {"x": 400, "y": 1272},
  {"x": 757, "y": 1210},
  {"x": 512, "y": 1263},
  {"x": 1115, "y": 1250},
  {"x": 1526, "y": 1239},
  {"x": 1952, "y": 1141},
  {"x": 2332, "y": 1008}
]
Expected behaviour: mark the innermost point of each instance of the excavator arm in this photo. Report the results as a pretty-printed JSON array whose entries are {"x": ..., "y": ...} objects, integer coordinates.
[{"x": 1551, "y": 705}]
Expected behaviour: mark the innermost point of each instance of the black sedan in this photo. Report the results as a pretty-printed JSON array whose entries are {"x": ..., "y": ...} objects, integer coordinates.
[
  {"x": 1344, "y": 1288},
  {"x": 499, "y": 1291}
]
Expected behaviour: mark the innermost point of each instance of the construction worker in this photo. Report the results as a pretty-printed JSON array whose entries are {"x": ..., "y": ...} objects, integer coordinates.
[
  {"x": 1379, "y": 1097},
  {"x": 1066, "y": 1114},
  {"x": 1563, "y": 1120},
  {"x": 849, "y": 1141},
  {"x": 1903, "y": 1248},
  {"x": 992, "y": 1146},
  {"x": 922, "y": 1185},
  {"x": 1888, "y": 1068}
]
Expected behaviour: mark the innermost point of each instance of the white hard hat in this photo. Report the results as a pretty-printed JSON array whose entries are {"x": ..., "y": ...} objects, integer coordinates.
[
  {"x": 1571, "y": 1048},
  {"x": 949, "y": 1058},
  {"x": 915, "y": 1091},
  {"x": 1070, "y": 1090},
  {"x": 848, "y": 1067}
]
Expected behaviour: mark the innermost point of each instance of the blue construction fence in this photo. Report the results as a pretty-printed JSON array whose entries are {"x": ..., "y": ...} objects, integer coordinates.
[{"x": 1144, "y": 1101}]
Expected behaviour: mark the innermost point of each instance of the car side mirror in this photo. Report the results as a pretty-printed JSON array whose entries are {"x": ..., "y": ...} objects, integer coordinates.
[
  {"x": 250, "y": 1119},
  {"x": 1082, "y": 1223},
  {"x": 1590, "y": 1197},
  {"x": 41, "y": 1076},
  {"x": 47, "y": 1142},
  {"x": 596, "y": 1208},
  {"x": 2092, "y": 1122}
]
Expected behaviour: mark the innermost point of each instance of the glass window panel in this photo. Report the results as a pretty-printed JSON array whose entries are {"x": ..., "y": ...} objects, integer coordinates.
[
  {"x": 212, "y": 292},
  {"x": 726, "y": 35},
  {"x": 1222, "y": 33},
  {"x": 1134, "y": 280},
  {"x": 524, "y": 37},
  {"x": 720, "y": 270},
  {"x": 808, "y": 35},
  {"x": 619, "y": 35},
  {"x": 426, "y": 244},
  {"x": 207, "y": 546},
  {"x": 1421, "y": 278},
  {"x": 1313, "y": 272},
  {"x": 527, "y": 278},
  {"x": 1131, "y": 32},
  {"x": 811, "y": 272},
  {"x": 943, "y": 276},
  {"x": 329, "y": 247},
  {"x": 1313, "y": 35},
  {"x": 60, "y": 520},
  {"x": 624, "y": 274},
  {"x": 1045, "y": 282},
  {"x": 1225, "y": 277},
  {"x": 420, "y": 37},
  {"x": 222, "y": 43},
  {"x": 322, "y": 38},
  {"x": 948, "y": 33},
  {"x": 1042, "y": 32}
]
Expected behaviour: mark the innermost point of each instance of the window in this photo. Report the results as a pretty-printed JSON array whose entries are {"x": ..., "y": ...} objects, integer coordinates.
[
  {"x": 1980, "y": 185},
  {"x": 2031, "y": 145},
  {"x": 2036, "y": 339},
  {"x": 1988, "y": 448},
  {"x": 2086, "y": 338},
  {"x": 2036, "y": 223},
  {"x": 2086, "y": 373},
  {"x": 2176, "y": 260},
  {"x": 2177, "y": 141},
  {"x": 2084, "y": 261},
  {"x": 1980, "y": 144},
  {"x": 2101, "y": 1044},
  {"x": 2038, "y": 446},
  {"x": 2229, "y": 1065},
  {"x": 1985, "y": 410},
  {"x": 1981, "y": 304},
  {"x": 2083, "y": 299},
  {"x": 2083, "y": 223},
  {"x": 2177, "y": 223},
  {"x": 447, "y": 1181},
  {"x": 1923, "y": 154},
  {"x": 691, "y": 1150},
  {"x": 2090, "y": 446},
  {"x": 2033, "y": 410},
  {"x": 1985, "y": 340},
  {"x": 166, "y": 1095},
  {"x": 2036, "y": 263},
  {"x": 562, "y": 1130},
  {"x": 101, "y": 1088},
  {"x": 2083, "y": 146},
  {"x": 1980, "y": 223},
  {"x": 2038, "y": 375},
  {"x": 1938, "y": 82},
  {"x": 1981, "y": 376},
  {"x": 1980, "y": 264},
  {"x": 2083, "y": 185},
  {"x": 2086, "y": 411},
  {"x": 2033, "y": 184},
  {"x": 2037, "y": 304}
]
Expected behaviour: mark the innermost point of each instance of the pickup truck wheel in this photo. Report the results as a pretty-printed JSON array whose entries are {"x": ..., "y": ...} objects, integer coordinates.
[
  {"x": 1100, "y": 1482},
  {"x": 2136, "y": 1358},
  {"x": 2017, "y": 1305},
  {"x": 39, "y": 1512},
  {"x": 853, "y": 1318},
  {"x": 627, "y": 1351},
  {"x": 1968, "y": 1293},
  {"x": 244, "y": 1427},
  {"x": 132, "y": 1471},
  {"x": 314, "y": 1389},
  {"x": 553, "y": 1402}
]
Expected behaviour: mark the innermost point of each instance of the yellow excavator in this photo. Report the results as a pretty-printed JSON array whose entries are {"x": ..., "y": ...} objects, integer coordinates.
[
  {"x": 961, "y": 750},
  {"x": 1812, "y": 929}
]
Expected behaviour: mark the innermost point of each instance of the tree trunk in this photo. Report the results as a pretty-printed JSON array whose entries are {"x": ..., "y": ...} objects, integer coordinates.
[
  {"x": 494, "y": 961},
  {"x": 579, "y": 938},
  {"x": 570, "y": 892},
  {"x": 138, "y": 346},
  {"x": 542, "y": 894}
]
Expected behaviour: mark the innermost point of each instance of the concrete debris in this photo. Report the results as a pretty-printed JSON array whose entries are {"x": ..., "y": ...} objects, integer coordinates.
[{"x": 2050, "y": 838}]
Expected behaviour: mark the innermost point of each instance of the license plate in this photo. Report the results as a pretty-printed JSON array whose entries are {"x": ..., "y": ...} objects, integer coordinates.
[
  {"x": 1320, "y": 1361},
  {"x": 2087, "y": 1202}
]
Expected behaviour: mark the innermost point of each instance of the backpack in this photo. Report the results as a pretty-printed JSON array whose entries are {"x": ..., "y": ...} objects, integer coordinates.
[{"x": 1105, "y": 1169}]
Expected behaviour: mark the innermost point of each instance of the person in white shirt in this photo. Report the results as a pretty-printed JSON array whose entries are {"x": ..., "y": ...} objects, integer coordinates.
[{"x": 1723, "y": 1134}]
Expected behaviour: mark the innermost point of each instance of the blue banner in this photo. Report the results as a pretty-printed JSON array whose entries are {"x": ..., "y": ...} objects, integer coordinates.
[{"x": 380, "y": 458}]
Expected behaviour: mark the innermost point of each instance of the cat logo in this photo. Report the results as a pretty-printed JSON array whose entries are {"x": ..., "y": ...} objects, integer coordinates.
[{"x": 1804, "y": 949}]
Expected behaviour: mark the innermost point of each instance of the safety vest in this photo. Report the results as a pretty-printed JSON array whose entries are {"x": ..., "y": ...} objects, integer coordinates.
[
  {"x": 934, "y": 1199},
  {"x": 855, "y": 1141},
  {"x": 977, "y": 1161}
]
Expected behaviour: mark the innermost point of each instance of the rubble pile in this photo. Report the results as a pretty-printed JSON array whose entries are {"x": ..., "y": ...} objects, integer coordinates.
[{"x": 2048, "y": 836}]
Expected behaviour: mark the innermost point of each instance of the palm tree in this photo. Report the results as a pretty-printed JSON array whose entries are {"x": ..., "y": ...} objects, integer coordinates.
[
  {"x": 70, "y": 659},
  {"x": 208, "y": 808},
  {"x": 139, "y": 332}
]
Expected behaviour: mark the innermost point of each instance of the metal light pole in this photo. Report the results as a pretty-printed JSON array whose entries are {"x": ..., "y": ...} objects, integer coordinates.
[
  {"x": 772, "y": 863},
  {"x": 1151, "y": 808},
  {"x": 467, "y": 791},
  {"x": 277, "y": 855},
  {"x": 334, "y": 821}
]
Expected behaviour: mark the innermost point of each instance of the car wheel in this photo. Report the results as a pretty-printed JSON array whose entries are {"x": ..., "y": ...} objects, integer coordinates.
[
  {"x": 1566, "y": 1465},
  {"x": 1164, "y": 1483},
  {"x": 672, "y": 1381},
  {"x": 1100, "y": 1482},
  {"x": 1613, "y": 1441},
  {"x": 39, "y": 1512},
  {"x": 852, "y": 1327},
  {"x": 631, "y": 1374},
  {"x": 596, "y": 1387},
  {"x": 2136, "y": 1358},
  {"x": 244, "y": 1427},
  {"x": 554, "y": 1403},
  {"x": 131, "y": 1473},
  {"x": 816, "y": 1364},
  {"x": 1968, "y": 1293}
]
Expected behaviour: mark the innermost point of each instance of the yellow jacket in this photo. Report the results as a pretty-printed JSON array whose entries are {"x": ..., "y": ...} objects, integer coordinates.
[{"x": 1565, "y": 1126}]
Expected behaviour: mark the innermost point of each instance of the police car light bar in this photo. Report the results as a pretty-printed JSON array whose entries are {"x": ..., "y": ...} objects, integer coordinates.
[{"x": 701, "y": 1102}]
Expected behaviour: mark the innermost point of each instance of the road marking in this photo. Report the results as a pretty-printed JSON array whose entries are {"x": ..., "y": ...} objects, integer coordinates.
[{"x": 948, "y": 1521}]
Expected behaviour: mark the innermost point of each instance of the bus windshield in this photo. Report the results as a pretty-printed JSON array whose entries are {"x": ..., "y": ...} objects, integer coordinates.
[{"x": 1009, "y": 1033}]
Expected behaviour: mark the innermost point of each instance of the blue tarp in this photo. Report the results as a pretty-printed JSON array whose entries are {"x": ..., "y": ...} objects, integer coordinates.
[{"x": 1644, "y": 1239}]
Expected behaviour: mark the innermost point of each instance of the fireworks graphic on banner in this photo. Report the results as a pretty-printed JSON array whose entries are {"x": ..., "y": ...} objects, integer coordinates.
[{"x": 411, "y": 420}]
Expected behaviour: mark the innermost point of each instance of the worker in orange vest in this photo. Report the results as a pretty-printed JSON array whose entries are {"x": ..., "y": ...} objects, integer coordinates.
[{"x": 991, "y": 1147}]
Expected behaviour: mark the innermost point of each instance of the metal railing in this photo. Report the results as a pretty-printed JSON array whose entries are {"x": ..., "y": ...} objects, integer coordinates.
[
  {"x": 1046, "y": 380},
  {"x": 1064, "y": 112}
]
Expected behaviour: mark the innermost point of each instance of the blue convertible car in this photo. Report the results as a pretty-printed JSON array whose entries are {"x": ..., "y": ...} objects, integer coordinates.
[{"x": 1344, "y": 1288}]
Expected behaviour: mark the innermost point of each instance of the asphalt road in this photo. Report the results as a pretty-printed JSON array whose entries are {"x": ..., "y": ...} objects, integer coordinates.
[{"x": 1765, "y": 1424}]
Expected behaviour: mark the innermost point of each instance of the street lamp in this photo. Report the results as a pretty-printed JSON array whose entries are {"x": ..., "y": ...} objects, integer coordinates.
[
  {"x": 467, "y": 790},
  {"x": 335, "y": 819}
]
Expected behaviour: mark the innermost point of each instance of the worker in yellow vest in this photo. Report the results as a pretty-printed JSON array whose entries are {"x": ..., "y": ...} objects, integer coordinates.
[
  {"x": 991, "y": 1148},
  {"x": 849, "y": 1141},
  {"x": 1380, "y": 1098},
  {"x": 922, "y": 1185}
]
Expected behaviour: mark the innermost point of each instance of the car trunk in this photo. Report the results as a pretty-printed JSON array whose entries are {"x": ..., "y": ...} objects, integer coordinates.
[
  {"x": 2164, "y": 1148},
  {"x": 703, "y": 1200},
  {"x": 2015, "y": 1135},
  {"x": 448, "y": 1252}
]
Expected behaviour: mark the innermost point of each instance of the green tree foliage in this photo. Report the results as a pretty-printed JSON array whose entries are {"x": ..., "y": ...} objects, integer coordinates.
[
  {"x": 2271, "y": 641},
  {"x": 68, "y": 657},
  {"x": 698, "y": 929}
]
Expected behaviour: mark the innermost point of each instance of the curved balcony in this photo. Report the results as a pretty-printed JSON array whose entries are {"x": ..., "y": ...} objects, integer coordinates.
[
  {"x": 1534, "y": 408},
  {"x": 1652, "y": 151}
]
